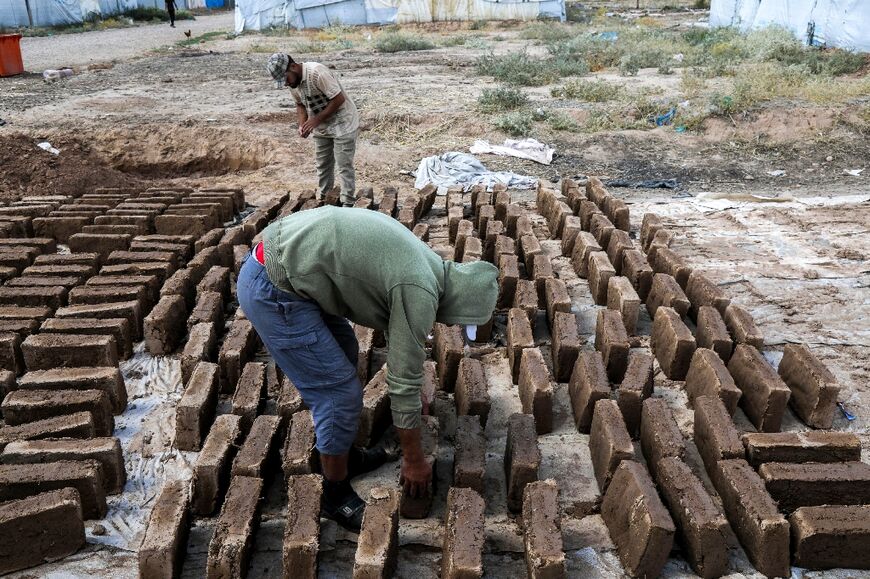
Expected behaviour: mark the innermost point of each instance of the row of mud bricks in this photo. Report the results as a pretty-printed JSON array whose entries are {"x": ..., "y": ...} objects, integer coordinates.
[{"x": 81, "y": 277}]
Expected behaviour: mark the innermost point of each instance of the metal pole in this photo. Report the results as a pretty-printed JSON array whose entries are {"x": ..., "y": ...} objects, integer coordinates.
[{"x": 29, "y": 13}]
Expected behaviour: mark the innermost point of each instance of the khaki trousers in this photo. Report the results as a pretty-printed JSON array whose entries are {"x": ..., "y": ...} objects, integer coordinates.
[{"x": 331, "y": 152}]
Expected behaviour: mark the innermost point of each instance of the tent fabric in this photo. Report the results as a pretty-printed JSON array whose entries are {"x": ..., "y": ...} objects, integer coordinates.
[
  {"x": 836, "y": 23},
  {"x": 13, "y": 13}
]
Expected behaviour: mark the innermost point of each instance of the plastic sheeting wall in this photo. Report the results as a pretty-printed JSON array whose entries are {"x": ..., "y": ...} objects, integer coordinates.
[
  {"x": 259, "y": 14},
  {"x": 839, "y": 23},
  {"x": 13, "y": 13}
]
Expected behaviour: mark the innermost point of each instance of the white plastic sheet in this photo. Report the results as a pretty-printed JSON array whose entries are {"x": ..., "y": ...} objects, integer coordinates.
[
  {"x": 463, "y": 170},
  {"x": 530, "y": 149},
  {"x": 837, "y": 23}
]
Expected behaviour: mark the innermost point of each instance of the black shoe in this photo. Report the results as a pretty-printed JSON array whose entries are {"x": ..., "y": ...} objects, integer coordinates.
[
  {"x": 366, "y": 460},
  {"x": 342, "y": 505}
]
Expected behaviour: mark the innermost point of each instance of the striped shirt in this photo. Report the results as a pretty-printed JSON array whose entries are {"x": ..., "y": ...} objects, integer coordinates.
[{"x": 318, "y": 86}]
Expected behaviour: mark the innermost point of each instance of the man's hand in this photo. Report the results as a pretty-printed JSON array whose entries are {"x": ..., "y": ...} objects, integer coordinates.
[
  {"x": 416, "y": 477},
  {"x": 308, "y": 126}
]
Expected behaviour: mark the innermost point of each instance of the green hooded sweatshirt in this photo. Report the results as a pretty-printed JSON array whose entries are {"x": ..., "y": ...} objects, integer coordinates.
[{"x": 365, "y": 266}]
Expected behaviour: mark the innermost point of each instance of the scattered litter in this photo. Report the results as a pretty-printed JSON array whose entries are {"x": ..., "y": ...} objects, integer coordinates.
[
  {"x": 648, "y": 184},
  {"x": 777, "y": 173},
  {"x": 853, "y": 172},
  {"x": 849, "y": 416},
  {"x": 680, "y": 129},
  {"x": 46, "y": 146},
  {"x": 51, "y": 74},
  {"x": 679, "y": 57},
  {"x": 613, "y": 36},
  {"x": 666, "y": 118},
  {"x": 530, "y": 149},
  {"x": 682, "y": 195},
  {"x": 829, "y": 158},
  {"x": 2, "y": 122},
  {"x": 461, "y": 169}
]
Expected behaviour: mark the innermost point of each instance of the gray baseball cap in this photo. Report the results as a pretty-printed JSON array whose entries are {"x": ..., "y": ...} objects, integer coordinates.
[{"x": 277, "y": 66}]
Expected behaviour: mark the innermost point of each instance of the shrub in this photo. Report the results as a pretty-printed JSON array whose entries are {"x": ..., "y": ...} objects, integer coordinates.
[
  {"x": 546, "y": 32},
  {"x": 518, "y": 68},
  {"x": 563, "y": 122},
  {"x": 400, "y": 42},
  {"x": 516, "y": 124},
  {"x": 501, "y": 99},
  {"x": 598, "y": 91}
]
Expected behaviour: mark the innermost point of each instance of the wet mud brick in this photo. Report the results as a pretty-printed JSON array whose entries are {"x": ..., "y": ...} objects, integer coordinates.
[
  {"x": 522, "y": 458},
  {"x": 742, "y": 327},
  {"x": 483, "y": 215},
  {"x": 619, "y": 243},
  {"x": 832, "y": 536},
  {"x": 524, "y": 227},
  {"x": 611, "y": 340},
  {"x": 473, "y": 250},
  {"x": 666, "y": 292},
  {"x": 7, "y": 382},
  {"x": 558, "y": 215},
  {"x": 814, "y": 389},
  {"x": 542, "y": 270},
  {"x": 765, "y": 395},
  {"x": 200, "y": 346},
  {"x": 601, "y": 228},
  {"x": 469, "y": 465},
  {"x": 799, "y": 447},
  {"x": 447, "y": 351},
  {"x": 708, "y": 376},
  {"x": 131, "y": 311},
  {"x": 650, "y": 224},
  {"x": 216, "y": 280},
  {"x": 365, "y": 338},
  {"x": 504, "y": 246},
  {"x": 211, "y": 473},
  {"x": 77, "y": 425},
  {"x": 508, "y": 274},
  {"x": 22, "y": 406},
  {"x": 299, "y": 454},
  {"x": 106, "y": 451},
  {"x": 249, "y": 390},
  {"x": 672, "y": 343},
  {"x": 600, "y": 272},
  {"x": 702, "y": 291},
  {"x": 639, "y": 524},
  {"x": 17, "y": 257},
  {"x": 464, "y": 535},
  {"x": 472, "y": 393},
  {"x": 556, "y": 297},
  {"x": 712, "y": 333},
  {"x": 104, "y": 294},
  {"x": 26, "y": 283},
  {"x": 622, "y": 298},
  {"x": 375, "y": 417},
  {"x": 536, "y": 389},
  {"x": 11, "y": 358},
  {"x": 100, "y": 243},
  {"x": 430, "y": 385},
  {"x": 233, "y": 537},
  {"x": 609, "y": 442},
  {"x": 52, "y": 297},
  {"x": 18, "y": 225},
  {"x": 565, "y": 345},
  {"x": 195, "y": 410},
  {"x": 18, "y": 481},
  {"x": 588, "y": 385},
  {"x": 261, "y": 445},
  {"x": 570, "y": 231},
  {"x": 636, "y": 386},
  {"x": 43, "y": 244},
  {"x": 519, "y": 337},
  {"x": 419, "y": 507},
  {"x": 542, "y": 531},
  {"x": 377, "y": 549},
  {"x": 180, "y": 224},
  {"x": 619, "y": 213},
  {"x": 237, "y": 349},
  {"x": 587, "y": 210},
  {"x": 526, "y": 298},
  {"x": 48, "y": 351},
  {"x": 703, "y": 528},
  {"x": 529, "y": 247},
  {"x": 302, "y": 528},
  {"x": 125, "y": 257},
  {"x": 150, "y": 282},
  {"x": 164, "y": 327},
  {"x": 660, "y": 437},
  {"x": 122, "y": 229},
  {"x": 464, "y": 230},
  {"x": 715, "y": 434},
  {"x": 161, "y": 269},
  {"x": 106, "y": 378},
  {"x": 117, "y": 327},
  {"x": 209, "y": 308},
  {"x": 812, "y": 484},
  {"x": 21, "y": 327},
  {"x": 638, "y": 272},
  {"x": 753, "y": 514},
  {"x": 668, "y": 262}
]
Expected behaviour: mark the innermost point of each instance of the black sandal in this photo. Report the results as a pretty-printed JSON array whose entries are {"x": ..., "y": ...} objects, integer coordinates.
[
  {"x": 348, "y": 514},
  {"x": 362, "y": 461}
]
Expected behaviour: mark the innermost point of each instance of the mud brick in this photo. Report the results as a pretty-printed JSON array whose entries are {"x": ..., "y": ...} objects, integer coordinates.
[
  {"x": 100, "y": 243},
  {"x": 558, "y": 216},
  {"x": 49, "y": 283},
  {"x": 702, "y": 291},
  {"x": 702, "y": 526},
  {"x": 584, "y": 246},
  {"x": 163, "y": 327},
  {"x": 619, "y": 213},
  {"x": 365, "y": 339},
  {"x": 143, "y": 222},
  {"x": 119, "y": 257},
  {"x": 464, "y": 535},
  {"x": 194, "y": 224},
  {"x": 144, "y": 205},
  {"x": 556, "y": 297},
  {"x": 43, "y": 244},
  {"x": 600, "y": 270},
  {"x": 221, "y": 207},
  {"x": 742, "y": 327},
  {"x": 447, "y": 351},
  {"x": 21, "y": 327},
  {"x": 209, "y": 308},
  {"x": 472, "y": 394},
  {"x": 480, "y": 197},
  {"x": 494, "y": 230},
  {"x": 536, "y": 389},
  {"x": 813, "y": 387},
  {"x": 831, "y": 536},
  {"x": 765, "y": 395},
  {"x": 672, "y": 343},
  {"x": 799, "y": 447},
  {"x": 213, "y": 237},
  {"x": 611, "y": 340},
  {"x": 619, "y": 243},
  {"x": 387, "y": 205},
  {"x": 47, "y": 351},
  {"x": 19, "y": 257},
  {"x": 260, "y": 447},
  {"x": 299, "y": 456},
  {"x": 302, "y": 528},
  {"x": 430, "y": 385},
  {"x": 524, "y": 227},
  {"x": 588, "y": 385},
  {"x": 529, "y": 247},
  {"x": 180, "y": 252},
  {"x": 501, "y": 200},
  {"x": 162, "y": 270},
  {"x": 508, "y": 274},
  {"x": 483, "y": 215},
  {"x": 233, "y": 537},
  {"x": 237, "y": 350},
  {"x": 185, "y": 239},
  {"x": 209, "y": 257},
  {"x": 636, "y": 386},
  {"x": 667, "y": 261},
  {"x": 571, "y": 229},
  {"x": 712, "y": 334},
  {"x": 249, "y": 390},
  {"x": 113, "y": 229},
  {"x": 151, "y": 284},
  {"x": 665, "y": 291},
  {"x": 512, "y": 214},
  {"x": 211, "y": 474},
  {"x": 565, "y": 345},
  {"x": 49, "y": 525},
  {"x": 455, "y": 215},
  {"x": 542, "y": 531},
  {"x": 649, "y": 226},
  {"x": 7, "y": 382},
  {"x": 473, "y": 250},
  {"x": 420, "y": 231},
  {"x": 11, "y": 358},
  {"x": 419, "y": 507},
  {"x": 622, "y": 298},
  {"x": 195, "y": 410},
  {"x": 377, "y": 548},
  {"x": 469, "y": 465},
  {"x": 644, "y": 533},
  {"x": 601, "y": 228},
  {"x": 239, "y": 253},
  {"x": 138, "y": 213},
  {"x": 289, "y": 400},
  {"x": 609, "y": 441},
  {"x": 522, "y": 458},
  {"x": 587, "y": 210},
  {"x": 660, "y": 436},
  {"x": 375, "y": 417},
  {"x": 106, "y": 451},
  {"x": 129, "y": 310},
  {"x": 59, "y": 227},
  {"x": 812, "y": 484},
  {"x": 181, "y": 284},
  {"x": 51, "y": 297},
  {"x": 519, "y": 337},
  {"x": 231, "y": 201},
  {"x": 708, "y": 376},
  {"x": 18, "y": 225},
  {"x": 18, "y": 481},
  {"x": 106, "y": 379},
  {"x": 541, "y": 271},
  {"x": 100, "y": 294},
  {"x": 638, "y": 271},
  {"x": 117, "y": 327},
  {"x": 28, "y": 405},
  {"x": 77, "y": 425},
  {"x": 464, "y": 230},
  {"x": 715, "y": 434}
]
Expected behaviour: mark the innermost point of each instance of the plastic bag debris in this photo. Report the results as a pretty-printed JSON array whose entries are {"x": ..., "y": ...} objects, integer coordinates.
[
  {"x": 51, "y": 74},
  {"x": 46, "y": 146},
  {"x": 666, "y": 118},
  {"x": 777, "y": 173},
  {"x": 648, "y": 184},
  {"x": 853, "y": 172},
  {"x": 530, "y": 149}
]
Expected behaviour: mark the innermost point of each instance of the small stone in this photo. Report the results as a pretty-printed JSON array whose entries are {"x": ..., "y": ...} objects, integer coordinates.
[{"x": 98, "y": 530}]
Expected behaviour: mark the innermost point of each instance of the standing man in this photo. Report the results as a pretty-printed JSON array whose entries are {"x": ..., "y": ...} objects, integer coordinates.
[
  {"x": 315, "y": 270},
  {"x": 328, "y": 114},
  {"x": 170, "y": 8}
]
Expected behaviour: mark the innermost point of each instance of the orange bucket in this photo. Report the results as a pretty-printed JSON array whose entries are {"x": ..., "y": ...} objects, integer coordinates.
[{"x": 10, "y": 55}]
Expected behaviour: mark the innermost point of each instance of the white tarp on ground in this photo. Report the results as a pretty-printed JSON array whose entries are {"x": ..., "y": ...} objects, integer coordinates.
[
  {"x": 839, "y": 23},
  {"x": 260, "y": 14},
  {"x": 455, "y": 169},
  {"x": 529, "y": 148},
  {"x": 13, "y": 13}
]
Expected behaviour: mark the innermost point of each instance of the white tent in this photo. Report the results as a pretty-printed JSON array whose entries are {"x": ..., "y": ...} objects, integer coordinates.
[
  {"x": 260, "y": 14},
  {"x": 22, "y": 13},
  {"x": 838, "y": 23}
]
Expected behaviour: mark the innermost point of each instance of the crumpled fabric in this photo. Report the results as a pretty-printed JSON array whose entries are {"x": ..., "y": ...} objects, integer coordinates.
[
  {"x": 530, "y": 149},
  {"x": 456, "y": 169},
  {"x": 649, "y": 184}
]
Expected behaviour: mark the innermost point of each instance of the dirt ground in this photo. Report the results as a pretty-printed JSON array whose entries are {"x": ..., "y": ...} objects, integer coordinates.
[{"x": 793, "y": 248}]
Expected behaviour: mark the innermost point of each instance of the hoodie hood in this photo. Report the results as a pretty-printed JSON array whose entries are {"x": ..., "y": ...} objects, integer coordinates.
[{"x": 470, "y": 293}]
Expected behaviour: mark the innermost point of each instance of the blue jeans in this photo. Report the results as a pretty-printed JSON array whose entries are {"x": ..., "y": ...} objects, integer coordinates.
[{"x": 316, "y": 350}]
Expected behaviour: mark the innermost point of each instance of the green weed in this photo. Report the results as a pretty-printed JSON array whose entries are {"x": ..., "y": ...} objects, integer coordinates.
[
  {"x": 598, "y": 91},
  {"x": 401, "y": 42},
  {"x": 516, "y": 124},
  {"x": 501, "y": 99}
]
